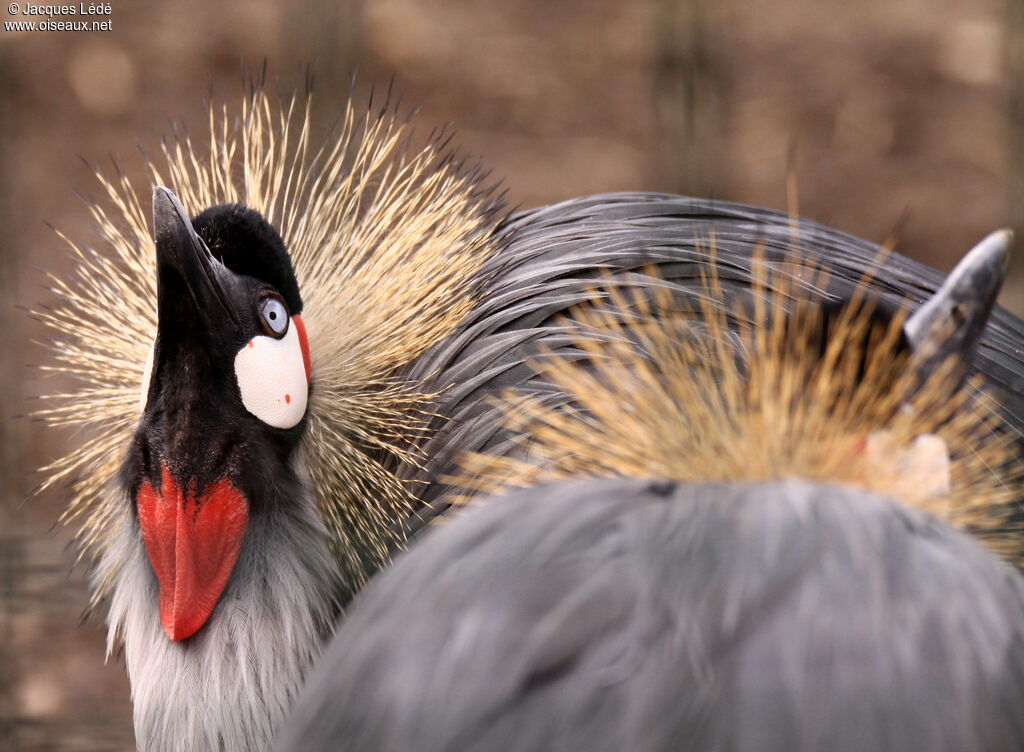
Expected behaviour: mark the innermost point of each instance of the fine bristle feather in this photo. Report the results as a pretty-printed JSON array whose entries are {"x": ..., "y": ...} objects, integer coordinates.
[
  {"x": 669, "y": 389},
  {"x": 387, "y": 241}
]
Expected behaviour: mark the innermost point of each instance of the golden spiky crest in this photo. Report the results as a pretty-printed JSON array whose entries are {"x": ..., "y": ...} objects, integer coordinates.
[
  {"x": 754, "y": 397},
  {"x": 386, "y": 241}
]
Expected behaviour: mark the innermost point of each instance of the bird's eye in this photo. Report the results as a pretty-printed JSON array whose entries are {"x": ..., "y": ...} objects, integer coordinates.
[{"x": 274, "y": 316}]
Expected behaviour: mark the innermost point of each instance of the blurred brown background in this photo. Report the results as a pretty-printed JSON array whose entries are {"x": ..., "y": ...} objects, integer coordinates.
[{"x": 879, "y": 107}]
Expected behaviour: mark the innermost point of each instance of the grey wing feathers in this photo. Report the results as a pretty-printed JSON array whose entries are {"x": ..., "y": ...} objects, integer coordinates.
[
  {"x": 621, "y": 615},
  {"x": 552, "y": 256},
  {"x": 615, "y": 615}
]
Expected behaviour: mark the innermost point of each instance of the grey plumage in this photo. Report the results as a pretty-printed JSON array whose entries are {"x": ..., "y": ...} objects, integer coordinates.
[
  {"x": 615, "y": 615},
  {"x": 626, "y": 614}
]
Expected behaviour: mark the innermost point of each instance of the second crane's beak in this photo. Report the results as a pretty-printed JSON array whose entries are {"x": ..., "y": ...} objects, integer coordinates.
[
  {"x": 952, "y": 321},
  {"x": 193, "y": 536}
]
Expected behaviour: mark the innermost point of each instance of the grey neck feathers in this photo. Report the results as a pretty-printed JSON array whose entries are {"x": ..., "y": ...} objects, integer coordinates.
[{"x": 229, "y": 686}]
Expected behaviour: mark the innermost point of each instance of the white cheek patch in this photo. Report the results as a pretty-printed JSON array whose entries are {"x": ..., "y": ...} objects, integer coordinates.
[
  {"x": 924, "y": 466},
  {"x": 271, "y": 378},
  {"x": 147, "y": 376}
]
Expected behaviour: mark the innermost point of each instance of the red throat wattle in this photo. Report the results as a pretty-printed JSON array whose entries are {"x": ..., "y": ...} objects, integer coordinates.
[{"x": 192, "y": 543}]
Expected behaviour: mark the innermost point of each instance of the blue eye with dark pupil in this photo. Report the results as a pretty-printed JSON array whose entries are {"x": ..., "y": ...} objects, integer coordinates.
[{"x": 275, "y": 316}]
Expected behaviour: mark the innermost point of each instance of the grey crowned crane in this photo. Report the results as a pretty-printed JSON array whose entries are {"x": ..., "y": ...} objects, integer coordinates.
[
  {"x": 626, "y": 614},
  {"x": 281, "y": 372},
  {"x": 766, "y": 543}
]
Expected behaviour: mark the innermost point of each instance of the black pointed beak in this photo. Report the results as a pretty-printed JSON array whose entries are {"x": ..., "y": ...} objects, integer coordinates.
[{"x": 182, "y": 257}]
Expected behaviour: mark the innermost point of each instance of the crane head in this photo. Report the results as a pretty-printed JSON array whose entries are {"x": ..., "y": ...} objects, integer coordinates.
[
  {"x": 224, "y": 399},
  {"x": 853, "y": 391}
]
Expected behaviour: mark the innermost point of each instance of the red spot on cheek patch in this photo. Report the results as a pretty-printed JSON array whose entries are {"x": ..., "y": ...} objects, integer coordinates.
[
  {"x": 300, "y": 327},
  {"x": 192, "y": 543},
  {"x": 288, "y": 399}
]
